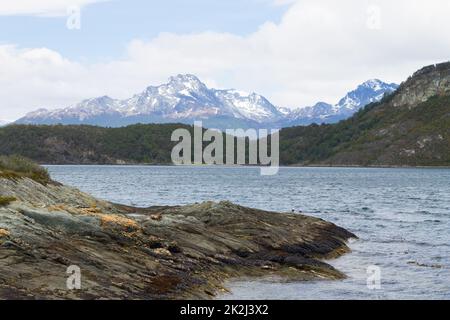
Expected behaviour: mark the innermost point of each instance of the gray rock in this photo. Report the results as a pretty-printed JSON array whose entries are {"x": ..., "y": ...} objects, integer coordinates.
[{"x": 153, "y": 253}]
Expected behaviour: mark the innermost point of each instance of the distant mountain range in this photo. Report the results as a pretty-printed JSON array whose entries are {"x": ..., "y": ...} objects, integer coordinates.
[
  {"x": 407, "y": 128},
  {"x": 322, "y": 112},
  {"x": 185, "y": 99}
]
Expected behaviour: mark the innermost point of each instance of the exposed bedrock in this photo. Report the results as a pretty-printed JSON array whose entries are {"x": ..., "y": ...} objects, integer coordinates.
[{"x": 152, "y": 253}]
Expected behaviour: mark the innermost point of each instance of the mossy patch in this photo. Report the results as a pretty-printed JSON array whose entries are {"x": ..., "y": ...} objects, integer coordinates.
[{"x": 4, "y": 201}]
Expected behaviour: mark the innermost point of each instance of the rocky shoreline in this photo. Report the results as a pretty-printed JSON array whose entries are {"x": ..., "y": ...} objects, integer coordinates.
[{"x": 182, "y": 252}]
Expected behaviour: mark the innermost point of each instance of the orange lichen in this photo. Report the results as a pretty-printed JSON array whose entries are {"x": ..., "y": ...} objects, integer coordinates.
[
  {"x": 91, "y": 211},
  {"x": 105, "y": 219},
  {"x": 118, "y": 220},
  {"x": 60, "y": 207},
  {"x": 4, "y": 233}
]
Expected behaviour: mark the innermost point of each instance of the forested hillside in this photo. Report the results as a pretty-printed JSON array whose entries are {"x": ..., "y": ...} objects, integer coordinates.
[{"x": 411, "y": 127}]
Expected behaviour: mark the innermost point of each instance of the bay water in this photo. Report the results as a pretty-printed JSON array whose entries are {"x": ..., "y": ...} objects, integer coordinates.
[{"x": 401, "y": 216}]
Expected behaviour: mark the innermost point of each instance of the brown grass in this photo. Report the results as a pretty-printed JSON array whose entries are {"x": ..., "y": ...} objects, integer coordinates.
[{"x": 17, "y": 167}]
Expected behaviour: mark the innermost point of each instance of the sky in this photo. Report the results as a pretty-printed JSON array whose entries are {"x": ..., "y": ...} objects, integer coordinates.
[{"x": 54, "y": 53}]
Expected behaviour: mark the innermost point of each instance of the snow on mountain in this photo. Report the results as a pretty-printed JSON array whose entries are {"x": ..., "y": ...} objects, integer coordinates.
[
  {"x": 319, "y": 110},
  {"x": 183, "y": 98},
  {"x": 322, "y": 112},
  {"x": 248, "y": 106},
  {"x": 186, "y": 99},
  {"x": 366, "y": 93}
]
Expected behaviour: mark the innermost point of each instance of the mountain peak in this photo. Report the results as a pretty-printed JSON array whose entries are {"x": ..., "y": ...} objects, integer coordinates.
[
  {"x": 370, "y": 91},
  {"x": 184, "y": 78},
  {"x": 98, "y": 100},
  {"x": 184, "y": 98},
  {"x": 374, "y": 84},
  {"x": 188, "y": 81}
]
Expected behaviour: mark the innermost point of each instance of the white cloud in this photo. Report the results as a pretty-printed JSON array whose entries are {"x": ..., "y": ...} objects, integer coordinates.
[
  {"x": 319, "y": 50},
  {"x": 283, "y": 2},
  {"x": 40, "y": 7}
]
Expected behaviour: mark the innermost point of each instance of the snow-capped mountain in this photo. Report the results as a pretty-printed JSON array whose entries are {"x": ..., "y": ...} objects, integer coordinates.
[
  {"x": 186, "y": 99},
  {"x": 368, "y": 92},
  {"x": 183, "y": 99},
  {"x": 322, "y": 112}
]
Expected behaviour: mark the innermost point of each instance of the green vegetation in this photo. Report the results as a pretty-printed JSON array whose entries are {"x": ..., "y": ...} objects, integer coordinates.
[
  {"x": 149, "y": 144},
  {"x": 378, "y": 135},
  {"x": 61, "y": 144},
  {"x": 4, "y": 201},
  {"x": 16, "y": 167}
]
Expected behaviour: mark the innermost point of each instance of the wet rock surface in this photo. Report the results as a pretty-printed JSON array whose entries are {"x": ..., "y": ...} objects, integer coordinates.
[{"x": 150, "y": 253}]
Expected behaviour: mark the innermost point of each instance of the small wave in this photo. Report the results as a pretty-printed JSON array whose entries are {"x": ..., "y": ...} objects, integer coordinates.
[
  {"x": 433, "y": 221},
  {"x": 434, "y": 214},
  {"x": 426, "y": 265},
  {"x": 411, "y": 242}
]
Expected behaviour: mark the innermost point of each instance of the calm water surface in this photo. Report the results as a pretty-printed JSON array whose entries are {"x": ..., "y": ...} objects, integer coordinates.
[{"x": 402, "y": 217}]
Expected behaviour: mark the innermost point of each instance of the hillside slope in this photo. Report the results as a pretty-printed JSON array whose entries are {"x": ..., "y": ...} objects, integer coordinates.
[
  {"x": 409, "y": 128},
  {"x": 60, "y": 144}
]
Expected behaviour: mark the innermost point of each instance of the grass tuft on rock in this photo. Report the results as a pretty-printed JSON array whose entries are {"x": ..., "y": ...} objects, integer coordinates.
[
  {"x": 4, "y": 201},
  {"x": 17, "y": 167}
]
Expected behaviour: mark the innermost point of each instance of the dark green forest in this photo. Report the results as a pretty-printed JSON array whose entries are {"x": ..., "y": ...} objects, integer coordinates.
[{"x": 378, "y": 135}]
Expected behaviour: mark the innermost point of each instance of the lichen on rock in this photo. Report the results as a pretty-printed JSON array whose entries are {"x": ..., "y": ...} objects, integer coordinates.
[{"x": 150, "y": 253}]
